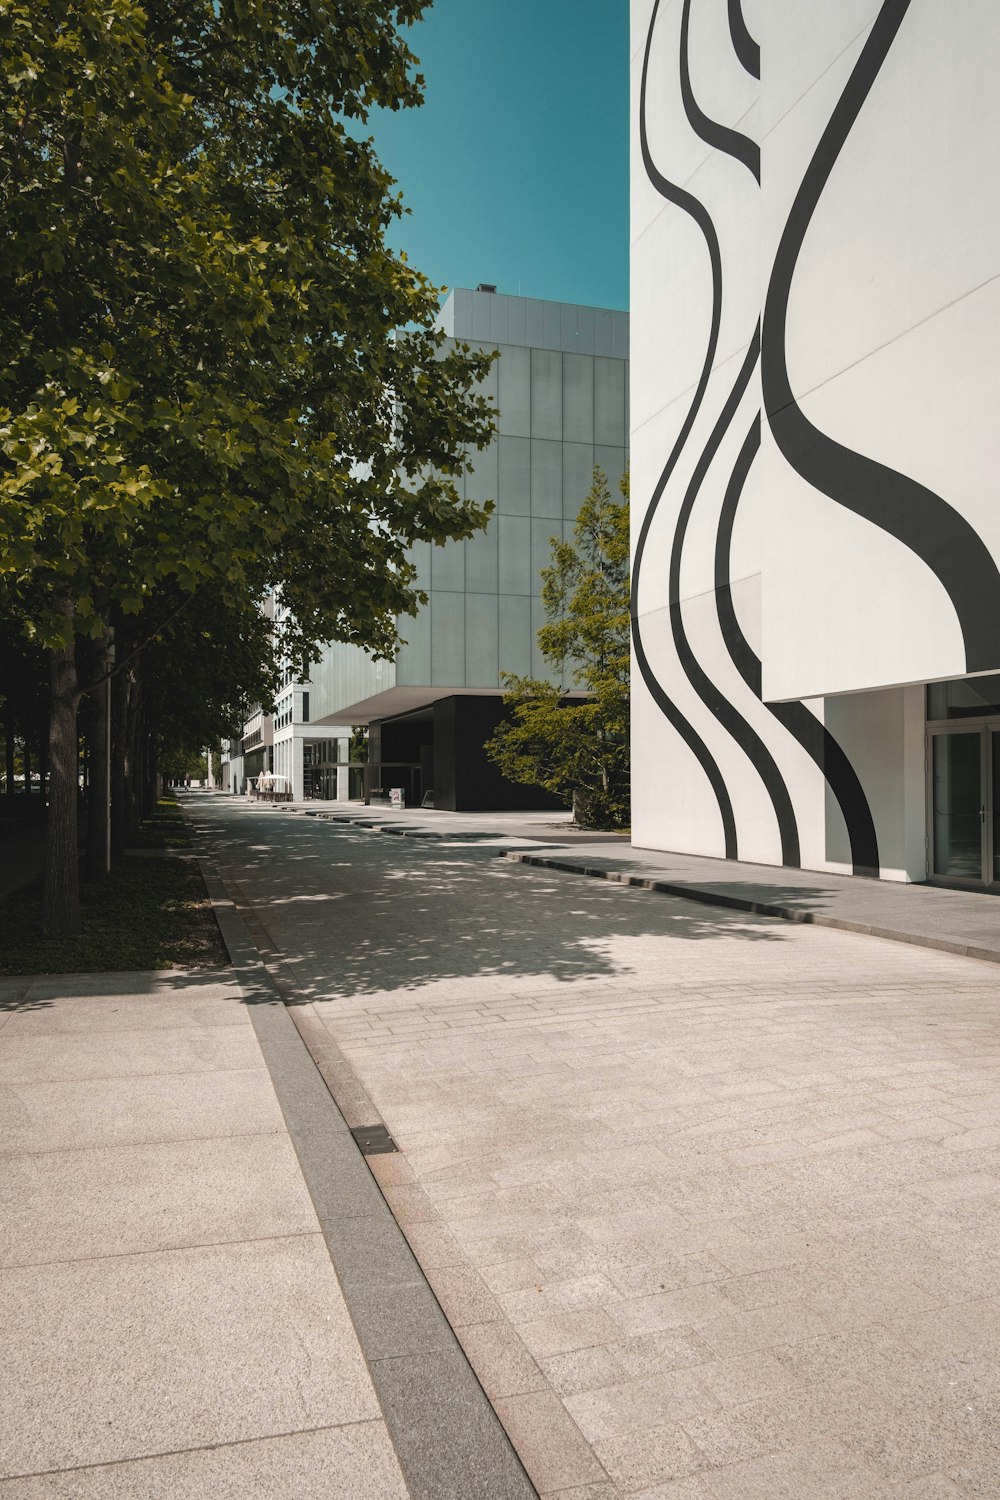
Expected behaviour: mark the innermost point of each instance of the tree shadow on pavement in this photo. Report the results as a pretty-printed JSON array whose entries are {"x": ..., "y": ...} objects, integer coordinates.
[{"x": 358, "y": 913}]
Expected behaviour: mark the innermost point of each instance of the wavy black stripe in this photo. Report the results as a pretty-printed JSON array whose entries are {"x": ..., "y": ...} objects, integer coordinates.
[
  {"x": 720, "y": 137},
  {"x": 715, "y": 701},
  {"x": 899, "y": 505},
  {"x": 814, "y": 737},
  {"x": 744, "y": 46},
  {"x": 690, "y": 205}
]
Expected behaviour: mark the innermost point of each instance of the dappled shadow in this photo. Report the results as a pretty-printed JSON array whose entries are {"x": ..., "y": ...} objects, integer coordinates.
[{"x": 361, "y": 913}]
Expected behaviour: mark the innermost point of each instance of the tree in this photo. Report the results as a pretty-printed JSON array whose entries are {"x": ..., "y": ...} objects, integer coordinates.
[
  {"x": 203, "y": 386},
  {"x": 579, "y": 748}
]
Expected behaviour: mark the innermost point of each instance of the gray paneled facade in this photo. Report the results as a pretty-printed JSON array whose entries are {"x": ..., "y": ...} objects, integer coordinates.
[{"x": 560, "y": 385}]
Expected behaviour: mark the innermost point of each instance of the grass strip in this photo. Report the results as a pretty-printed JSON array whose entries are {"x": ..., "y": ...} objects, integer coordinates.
[{"x": 151, "y": 914}]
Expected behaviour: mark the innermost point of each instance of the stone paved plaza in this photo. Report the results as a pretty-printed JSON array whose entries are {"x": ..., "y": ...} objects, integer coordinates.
[{"x": 710, "y": 1199}]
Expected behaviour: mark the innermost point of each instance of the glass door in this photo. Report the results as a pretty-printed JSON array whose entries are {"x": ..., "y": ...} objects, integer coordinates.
[{"x": 963, "y": 805}]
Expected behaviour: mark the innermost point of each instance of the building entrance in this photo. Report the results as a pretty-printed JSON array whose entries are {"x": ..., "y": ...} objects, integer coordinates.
[{"x": 964, "y": 804}]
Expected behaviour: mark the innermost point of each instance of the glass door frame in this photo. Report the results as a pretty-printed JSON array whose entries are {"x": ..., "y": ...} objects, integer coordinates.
[{"x": 985, "y": 728}]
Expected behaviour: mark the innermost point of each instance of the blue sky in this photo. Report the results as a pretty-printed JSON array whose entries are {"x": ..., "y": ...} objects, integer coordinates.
[{"x": 516, "y": 167}]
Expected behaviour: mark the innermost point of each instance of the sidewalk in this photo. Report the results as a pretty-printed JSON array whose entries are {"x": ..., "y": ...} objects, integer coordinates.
[
  {"x": 952, "y": 921},
  {"x": 176, "y": 1176}
]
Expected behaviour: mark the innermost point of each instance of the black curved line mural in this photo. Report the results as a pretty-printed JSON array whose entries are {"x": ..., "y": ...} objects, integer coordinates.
[
  {"x": 795, "y": 718},
  {"x": 897, "y": 504},
  {"x": 744, "y": 46},
  {"x": 721, "y": 137},
  {"x": 815, "y": 739},
  {"x": 715, "y": 701},
  {"x": 686, "y": 201},
  {"x": 718, "y": 705}
]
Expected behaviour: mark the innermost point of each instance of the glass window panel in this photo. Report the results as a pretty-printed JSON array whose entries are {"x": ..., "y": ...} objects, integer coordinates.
[
  {"x": 609, "y": 402},
  {"x": 533, "y": 322},
  {"x": 514, "y": 497},
  {"x": 419, "y": 555},
  {"x": 489, "y": 385},
  {"x": 546, "y": 393},
  {"x": 578, "y": 469},
  {"x": 481, "y": 560},
  {"x": 481, "y": 479},
  {"x": 514, "y": 387},
  {"x": 482, "y": 643},
  {"x": 539, "y": 666},
  {"x": 515, "y": 320},
  {"x": 481, "y": 315},
  {"x": 448, "y": 566},
  {"x": 542, "y": 533},
  {"x": 957, "y": 800},
  {"x": 448, "y": 640},
  {"x": 546, "y": 478},
  {"x": 568, "y": 327},
  {"x": 514, "y": 533},
  {"x": 967, "y": 698},
  {"x": 515, "y": 636},
  {"x": 603, "y": 343},
  {"x": 413, "y": 661},
  {"x": 612, "y": 461},
  {"x": 498, "y": 318},
  {"x": 551, "y": 325},
  {"x": 578, "y": 398}
]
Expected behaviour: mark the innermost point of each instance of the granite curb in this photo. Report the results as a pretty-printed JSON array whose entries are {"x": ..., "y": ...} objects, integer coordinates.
[
  {"x": 705, "y": 896},
  {"x": 448, "y": 1439}
]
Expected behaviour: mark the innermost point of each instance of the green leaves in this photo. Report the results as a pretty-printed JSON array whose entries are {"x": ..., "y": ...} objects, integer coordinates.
[
  {"x": 579, "y": 750},
  {"x": 202, "y": 383}
]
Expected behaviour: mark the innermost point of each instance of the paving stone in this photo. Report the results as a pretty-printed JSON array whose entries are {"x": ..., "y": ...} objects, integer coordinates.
[
  {"x": 100, "y": 1112},
  {"x": 124, "y": 1200},
  {"x": 45, "y": 1058},
  {"x": 549, "y": 1443},
  {"x": 500, "y": 1359},
  {"x": 117, "y": 1359},
  {"x": 356, "y": 1462}
]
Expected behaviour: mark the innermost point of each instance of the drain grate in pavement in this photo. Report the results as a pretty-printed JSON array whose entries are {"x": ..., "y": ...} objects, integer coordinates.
[{"x": 374, "y": 1140}]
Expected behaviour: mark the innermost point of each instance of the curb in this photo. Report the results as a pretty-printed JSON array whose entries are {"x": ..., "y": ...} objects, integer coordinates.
[{"x": 758, "y": 908}]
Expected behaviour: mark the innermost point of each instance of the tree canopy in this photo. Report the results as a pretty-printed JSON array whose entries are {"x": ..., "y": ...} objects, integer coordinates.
[
  {"x": 578, "y": 748},
  {"x": 216, "y": 375}
]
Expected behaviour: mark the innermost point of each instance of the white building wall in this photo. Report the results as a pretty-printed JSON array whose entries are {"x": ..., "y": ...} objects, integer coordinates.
[{"x": 792, "y": 576}]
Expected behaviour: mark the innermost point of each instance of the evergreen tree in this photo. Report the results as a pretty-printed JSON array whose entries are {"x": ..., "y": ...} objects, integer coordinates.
[{"x": 578, "y": 747}]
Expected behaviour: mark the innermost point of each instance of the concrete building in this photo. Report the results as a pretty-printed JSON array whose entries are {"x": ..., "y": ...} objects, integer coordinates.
[
  {"x": 815, "y": 388},
  {"x": 561, "y": 389}
]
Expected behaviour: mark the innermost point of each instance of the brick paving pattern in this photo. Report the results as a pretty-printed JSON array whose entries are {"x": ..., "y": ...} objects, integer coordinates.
[{"x": 710, "y": 1200}]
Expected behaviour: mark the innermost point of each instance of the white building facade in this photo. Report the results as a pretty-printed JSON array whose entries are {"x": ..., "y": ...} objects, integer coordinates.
[{"x": 815, "y": 385}]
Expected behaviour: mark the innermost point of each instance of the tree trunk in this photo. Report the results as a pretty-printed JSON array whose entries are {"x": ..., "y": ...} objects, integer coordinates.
[
  {"x": 119, "y": 790},
  {"x": 61, "y": 906},
  {"x": 9, "y": 747},
  {"x": 43, "y": 754},
  {"x": 98, "y": 862}
]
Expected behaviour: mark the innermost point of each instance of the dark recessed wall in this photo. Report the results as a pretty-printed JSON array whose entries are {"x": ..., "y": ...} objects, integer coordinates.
[{"x": 464, "y": 779}]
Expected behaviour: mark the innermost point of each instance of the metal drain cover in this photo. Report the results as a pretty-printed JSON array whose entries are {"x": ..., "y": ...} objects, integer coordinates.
[{"x": 374, "y": 1140}]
